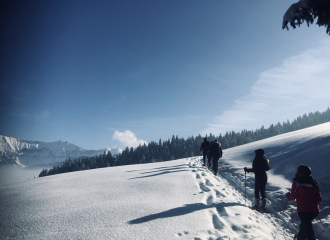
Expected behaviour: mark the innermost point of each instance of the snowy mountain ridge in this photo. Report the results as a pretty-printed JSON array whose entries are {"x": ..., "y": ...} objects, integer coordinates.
[{"x": 28, "y": 153}]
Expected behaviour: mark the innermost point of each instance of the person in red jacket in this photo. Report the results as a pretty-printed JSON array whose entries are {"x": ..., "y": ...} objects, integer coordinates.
[{"x": 307, "y": 194}]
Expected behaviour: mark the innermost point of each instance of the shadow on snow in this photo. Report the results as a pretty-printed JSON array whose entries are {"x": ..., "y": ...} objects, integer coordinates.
[
  {"x": 161, "y": 173},
  {"x": 175, "y": 166},
  {"x": 185, "y": 209}
]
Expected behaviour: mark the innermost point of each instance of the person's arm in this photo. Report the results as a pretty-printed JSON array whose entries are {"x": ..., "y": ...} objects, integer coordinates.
[
  {"x": 267, "y": 167},
  {"x": 318, "y": 197},
  {"x": 248, "y": 169},
  {"x": 294, "y": 192}
]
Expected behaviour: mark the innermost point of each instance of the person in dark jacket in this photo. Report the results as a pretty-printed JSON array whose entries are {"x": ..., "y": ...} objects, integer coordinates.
[
  {"x": 205, "y": 147},
  {"x": 308, "y": 196},
  {"x": 215, "y": 153},
  {"x": 260, "y": 165},
  {"x": 209, "y": 157}
]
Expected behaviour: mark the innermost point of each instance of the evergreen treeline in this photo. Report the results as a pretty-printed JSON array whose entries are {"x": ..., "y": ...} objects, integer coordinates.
[
  {"x": 177, "y": 148},
  {"x": 83, "y": 163}
]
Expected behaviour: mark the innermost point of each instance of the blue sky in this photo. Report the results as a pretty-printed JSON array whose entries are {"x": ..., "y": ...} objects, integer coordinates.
[{"x": 118, "y": 73}]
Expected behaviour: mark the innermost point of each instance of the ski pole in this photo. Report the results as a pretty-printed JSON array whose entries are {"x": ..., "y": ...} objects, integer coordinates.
[
  {"x": 245, "y": 188},
  {"x": 324, "y": 227}
]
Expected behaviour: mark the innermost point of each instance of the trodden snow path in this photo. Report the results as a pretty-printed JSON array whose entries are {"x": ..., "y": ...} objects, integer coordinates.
[{"x": 230, "y": 217}]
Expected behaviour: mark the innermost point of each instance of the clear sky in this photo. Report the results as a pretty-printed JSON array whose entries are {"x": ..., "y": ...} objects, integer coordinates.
[{"x": 117, "y": 73}]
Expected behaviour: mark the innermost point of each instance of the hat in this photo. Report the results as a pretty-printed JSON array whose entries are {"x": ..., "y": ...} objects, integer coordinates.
[
  {"x": 259, "y": 152},
  {"x": 304, "y": 170}
]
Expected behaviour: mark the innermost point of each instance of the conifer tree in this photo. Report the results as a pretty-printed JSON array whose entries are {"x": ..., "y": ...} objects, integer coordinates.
[{"x": 308, "y": 10}]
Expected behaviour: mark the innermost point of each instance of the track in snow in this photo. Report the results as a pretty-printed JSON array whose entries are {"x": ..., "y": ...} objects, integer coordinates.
[{"x": 227, "y": 212}]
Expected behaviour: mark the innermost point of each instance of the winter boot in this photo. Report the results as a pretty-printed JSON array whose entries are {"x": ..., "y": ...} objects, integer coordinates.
[
  {"x": 256, "y": 203},
  {"x": 263, "y": 204}
]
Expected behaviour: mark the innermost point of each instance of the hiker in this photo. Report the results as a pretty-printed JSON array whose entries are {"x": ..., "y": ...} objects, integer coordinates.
[
  {"x": 205, "y": 147},
  {"x": 307, "y": 194},
  {"x": 209, "y": 157},
  {"x": 259, "y": 167},
  {"x": 215, "y": 153}
]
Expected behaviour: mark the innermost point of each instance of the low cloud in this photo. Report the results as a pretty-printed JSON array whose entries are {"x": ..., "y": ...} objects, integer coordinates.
[
  {"x": 300, "y": 85},
  {"x": 128, "y": 139}
]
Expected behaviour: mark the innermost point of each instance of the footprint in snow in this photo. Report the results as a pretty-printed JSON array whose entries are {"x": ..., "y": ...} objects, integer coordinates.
[
  {"x": 217, "y": 224},
  {"x": 198, "y": 176},
  {"x": 203, "y": 187},
  {"x": 208, "y": 183},
  {"x": 181, "y": 234},
  {"x": 209, "y": 200},
  {"x": 236, "y": 228},
  {"x": 219, "y": 194},
  {"x": 222, "y": 212}
]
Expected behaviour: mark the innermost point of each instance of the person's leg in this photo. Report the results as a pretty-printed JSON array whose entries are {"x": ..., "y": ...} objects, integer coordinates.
[
  {"x": 263, "y": 193},
  {"x": 301, "y": 233},
  {"x": 306, "y": 227},
  {"x": 209, "y": 159},
  {"x": 256, "y": 188},
  {"x": 204, "y": 155},
  {"x": 256, "y": 194},
  {"x": 262, "y": 188},
  {"x": 215, "y": 165},
  {"x": 309, "y": 226}
]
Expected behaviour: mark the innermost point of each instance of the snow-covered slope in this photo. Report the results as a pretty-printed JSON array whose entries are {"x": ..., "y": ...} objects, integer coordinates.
[
  {"x": 310, "y": 146},
  {"x": 172, "y": 200},
  {"x": 33, "y": 153}
]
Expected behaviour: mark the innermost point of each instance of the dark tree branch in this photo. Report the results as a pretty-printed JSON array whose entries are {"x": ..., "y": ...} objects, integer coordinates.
[{"x": 308, "y": 10}]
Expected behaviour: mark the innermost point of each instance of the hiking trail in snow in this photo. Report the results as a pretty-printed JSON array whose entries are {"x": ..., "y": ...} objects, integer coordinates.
[{"x": 230, "y": 218}]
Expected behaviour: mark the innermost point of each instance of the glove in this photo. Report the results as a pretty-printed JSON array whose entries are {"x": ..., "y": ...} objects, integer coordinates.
[
  {"x": 287, "y": 194},
  {"x": 246, "y": 170}
]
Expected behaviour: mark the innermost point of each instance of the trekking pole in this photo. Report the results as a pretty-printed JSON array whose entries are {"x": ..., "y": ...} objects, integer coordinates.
[
  {"x": 245, "y": 188},
  {"x": 324, "y": 227}
]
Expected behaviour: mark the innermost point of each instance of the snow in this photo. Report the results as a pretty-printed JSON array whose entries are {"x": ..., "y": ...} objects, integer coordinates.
[
  {"x": 33, "y": 153},
  {"x": 177, "y": 199}
]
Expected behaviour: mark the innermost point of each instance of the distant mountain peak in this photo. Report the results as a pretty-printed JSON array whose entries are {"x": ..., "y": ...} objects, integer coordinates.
[{"x": 27, "y": 153}]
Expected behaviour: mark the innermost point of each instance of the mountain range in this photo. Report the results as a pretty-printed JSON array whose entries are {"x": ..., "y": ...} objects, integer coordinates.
[{"x": 26, "y": 153}]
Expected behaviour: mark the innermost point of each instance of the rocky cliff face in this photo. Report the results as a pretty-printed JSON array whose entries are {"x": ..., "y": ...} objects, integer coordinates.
[{"x": 33, "y": 153}]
